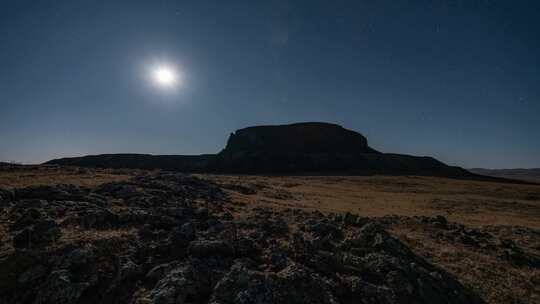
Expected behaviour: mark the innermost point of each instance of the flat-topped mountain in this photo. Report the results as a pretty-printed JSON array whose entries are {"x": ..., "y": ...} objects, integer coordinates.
[
  {"x": 300, "y": 148},
  {"x": 307, "y": 137}
]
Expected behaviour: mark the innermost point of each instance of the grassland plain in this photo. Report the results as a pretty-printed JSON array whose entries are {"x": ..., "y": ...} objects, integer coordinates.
[
  {"x": 486, "y": 234},
  {"x": 510, "y": 212}
]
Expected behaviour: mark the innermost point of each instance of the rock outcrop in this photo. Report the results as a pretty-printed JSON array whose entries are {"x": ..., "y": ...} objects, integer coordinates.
[{"x": 309, "y": 137}]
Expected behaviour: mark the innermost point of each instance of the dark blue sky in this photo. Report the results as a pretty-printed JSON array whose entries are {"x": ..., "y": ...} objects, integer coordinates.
[{"x": 457, "y": 80}]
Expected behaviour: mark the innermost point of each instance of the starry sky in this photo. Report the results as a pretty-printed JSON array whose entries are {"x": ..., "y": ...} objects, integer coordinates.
[{"x": 458, "y": 80}]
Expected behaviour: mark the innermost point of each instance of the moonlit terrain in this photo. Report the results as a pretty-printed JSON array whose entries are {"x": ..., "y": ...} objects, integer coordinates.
[{"x": 307, "y": 152}]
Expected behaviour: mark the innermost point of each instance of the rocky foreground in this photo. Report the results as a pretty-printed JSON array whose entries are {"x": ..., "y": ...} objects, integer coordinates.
[{"x": 173, "y": 238}]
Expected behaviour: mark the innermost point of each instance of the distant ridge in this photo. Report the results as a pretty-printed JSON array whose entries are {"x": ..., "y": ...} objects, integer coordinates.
[
  {"x": 188, "y": 163},
  {"x": 299, "y": 148},
  {"x": 531, "y": 175}
]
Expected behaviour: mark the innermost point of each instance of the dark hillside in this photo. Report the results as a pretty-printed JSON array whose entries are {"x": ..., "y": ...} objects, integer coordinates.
[{"x": 300, "y": 148}]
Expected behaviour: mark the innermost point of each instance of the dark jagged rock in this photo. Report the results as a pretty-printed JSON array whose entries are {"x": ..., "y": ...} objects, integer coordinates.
[
  {"x": 27, "y": 218},
  {"x": 39, "y": 234},
  {"x": 6, "y": 197},
  {"x": 203, "y": 248},
  {"x": 294, "y": 284},
  {"x": 59, "y": 192},
  {"x": 60, "y": 288}
]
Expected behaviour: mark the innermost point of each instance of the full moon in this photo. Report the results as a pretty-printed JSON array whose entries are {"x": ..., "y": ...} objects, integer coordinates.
[{"x": 165, "y": 76}]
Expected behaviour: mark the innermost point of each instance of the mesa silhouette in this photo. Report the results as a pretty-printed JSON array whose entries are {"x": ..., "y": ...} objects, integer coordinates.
[{"x": 299, "y": 148}]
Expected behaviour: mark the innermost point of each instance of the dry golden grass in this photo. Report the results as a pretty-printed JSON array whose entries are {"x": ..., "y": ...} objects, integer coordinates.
[
  {"x": 23, "y": 176},
  {"x": 468, "y": 202},
  {"x": 472, "y": 203},
  {"x": 495, "y": 281},
  {"x": 70, "y": 235}
]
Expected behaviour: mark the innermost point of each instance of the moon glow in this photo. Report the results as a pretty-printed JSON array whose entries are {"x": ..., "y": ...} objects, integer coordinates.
[{"x": 165, "y": 76}]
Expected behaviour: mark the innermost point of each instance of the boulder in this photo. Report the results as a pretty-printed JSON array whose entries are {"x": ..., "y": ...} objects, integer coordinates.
[
  {"x": 40, "y": 234},
  {"x": 59, "y": 288},
  {"x": 50, "y": 193},
  {"x": 294, "y": 284},
  {"x": 6, "y": 197},
  {"x": 28, "y": 217},
  {"x": 188, "y": 283},
  {"x": 205, "y": 248}
]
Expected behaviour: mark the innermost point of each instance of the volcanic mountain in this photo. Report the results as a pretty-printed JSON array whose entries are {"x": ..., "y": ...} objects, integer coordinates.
[{"x": 300, "y": 148}]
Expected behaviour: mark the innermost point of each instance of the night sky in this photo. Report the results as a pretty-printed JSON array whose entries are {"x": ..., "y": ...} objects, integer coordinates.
[{"x": 457, "y": 80}]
